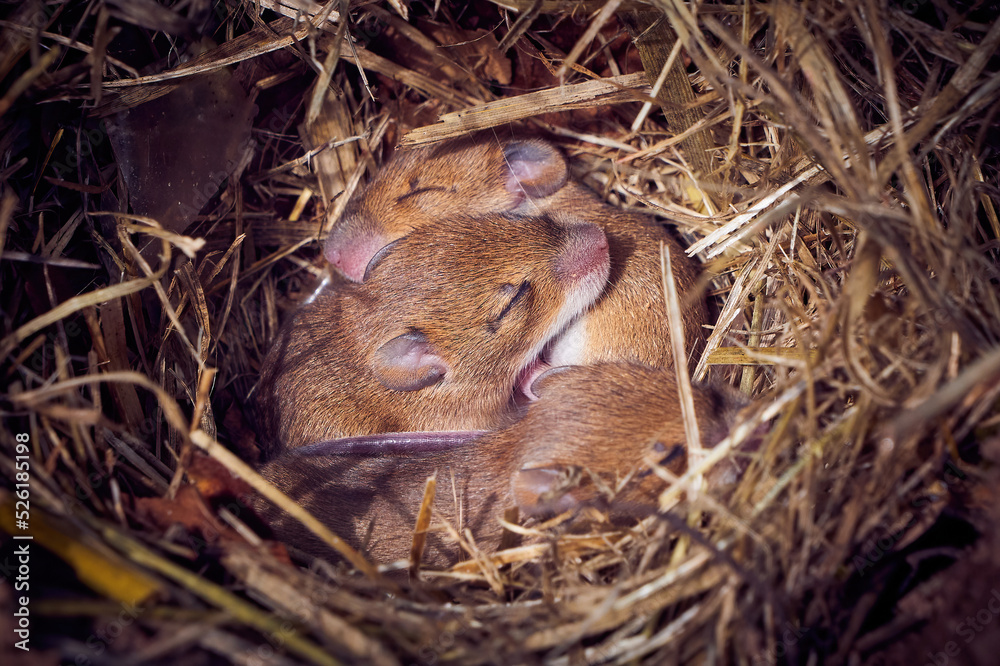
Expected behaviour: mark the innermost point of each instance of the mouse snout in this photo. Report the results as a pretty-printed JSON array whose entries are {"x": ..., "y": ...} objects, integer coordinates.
[
  {"x": 350, "y": 254},
  {"x": 584, "y": 257}
]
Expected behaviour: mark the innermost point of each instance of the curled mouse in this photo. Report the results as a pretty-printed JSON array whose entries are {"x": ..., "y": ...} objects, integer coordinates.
[
  {"x": 447, "y": 322},
  {"x": 606, "y": 420},
  {"x": 475, "y": 176}
]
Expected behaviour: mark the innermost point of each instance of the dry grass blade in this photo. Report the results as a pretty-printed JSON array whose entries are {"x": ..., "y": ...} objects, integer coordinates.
[
  {"x": 216, "y": 595},
  {"x": 564, "y": 98},
  {"x": 694, "y": 447},
  {"x": 289, "y": 600},
  {"x": 602, "y": 17},
  {"x": 245, "y": 47},
  {"x": 420, "y": 529},
  {"x": 986, "y": 370},
  {"x": 75, "y": 304},
  {"x": 27, "y": 79}
]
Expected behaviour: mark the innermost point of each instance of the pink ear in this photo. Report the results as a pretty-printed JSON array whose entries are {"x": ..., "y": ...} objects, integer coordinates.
[
  {"x": 408, "y": 363},
  {"x": 530, "y": 484},
  {"x": 350, "y": 254},
  {"x": 534, "y": 166}
]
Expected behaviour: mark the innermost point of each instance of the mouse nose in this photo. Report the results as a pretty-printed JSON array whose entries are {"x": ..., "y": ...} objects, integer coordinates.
[
  {"x": 584, "y": 254},
  {"x": 351, "y": 253}
]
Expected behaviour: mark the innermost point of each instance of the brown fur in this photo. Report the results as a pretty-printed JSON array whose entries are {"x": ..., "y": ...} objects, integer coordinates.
[
  {"x": 468, "y": 176},
  {"x": 340, "y": 367},
  {"x": 602, "y": 419}
]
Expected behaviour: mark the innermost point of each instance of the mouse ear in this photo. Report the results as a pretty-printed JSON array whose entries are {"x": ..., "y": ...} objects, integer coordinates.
[
  {"x": 408, "y": 363},
  {"x": 531, "y": 484},
  {"x": 534, "y": 166},
  {"x": 539, "y": 384}
]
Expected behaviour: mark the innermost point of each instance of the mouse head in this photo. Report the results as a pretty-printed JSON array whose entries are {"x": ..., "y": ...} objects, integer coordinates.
[
  {"x": 454, "y": 314},
  {"x": 607, "y": 419},
  {"x": 417, "y": 187}
]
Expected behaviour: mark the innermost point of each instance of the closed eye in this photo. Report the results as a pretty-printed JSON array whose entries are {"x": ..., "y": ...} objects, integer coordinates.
[
  {"x": 674, "y": 453},
  {"x": 419, "y": 190},
  {"x": 522, "y": 291}
]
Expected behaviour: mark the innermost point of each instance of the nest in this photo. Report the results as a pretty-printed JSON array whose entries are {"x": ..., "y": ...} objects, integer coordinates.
[{"x": 833, "y": 166}]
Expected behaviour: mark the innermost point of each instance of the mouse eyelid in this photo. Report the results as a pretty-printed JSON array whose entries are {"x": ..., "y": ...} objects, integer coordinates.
[
  {"x": 419, "y": 191},
  {"x": 676, "y": 451},
  {"x": 522, "y": 290},
  {"x": 377, "y": 258},
  {"x": 672, "y": 452}
]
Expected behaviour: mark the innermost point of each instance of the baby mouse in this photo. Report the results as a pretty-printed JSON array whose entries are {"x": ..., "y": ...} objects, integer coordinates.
[
  {"x": 474, "y": 176},
  {"x": 592, "y": 420},
  {"x": 437, "y": 337},
  {"x": 460, "y": 178}
]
